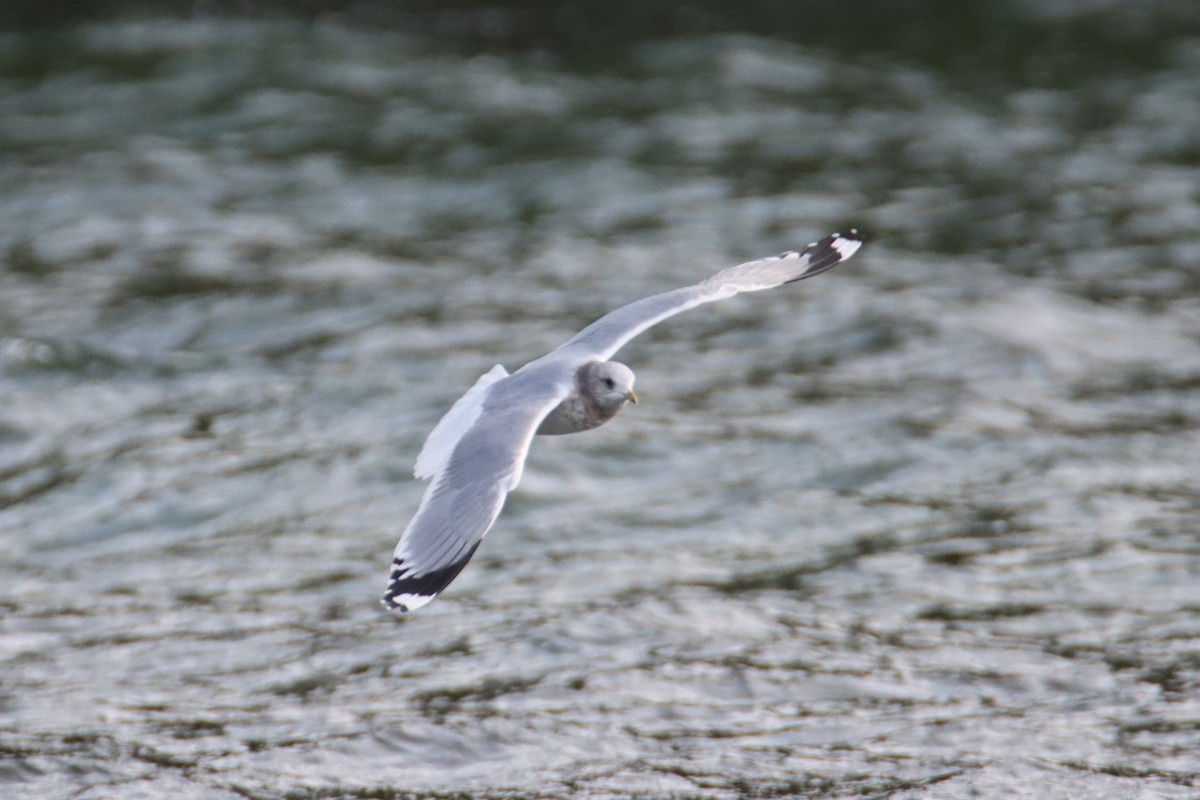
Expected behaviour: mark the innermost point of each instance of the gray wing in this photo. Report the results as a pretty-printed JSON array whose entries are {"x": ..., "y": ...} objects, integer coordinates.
[
  {"x": 470, "y": 485},
  {"x": 607, "y": 335}
]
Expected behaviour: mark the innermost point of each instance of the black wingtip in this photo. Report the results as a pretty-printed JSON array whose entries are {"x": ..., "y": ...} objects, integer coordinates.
[
  {"x": 407, "y": 591},
  {"x": 825, "y": 254}
]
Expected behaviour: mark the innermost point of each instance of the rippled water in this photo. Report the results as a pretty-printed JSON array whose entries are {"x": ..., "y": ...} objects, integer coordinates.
[{"x": 926, "y": 526}]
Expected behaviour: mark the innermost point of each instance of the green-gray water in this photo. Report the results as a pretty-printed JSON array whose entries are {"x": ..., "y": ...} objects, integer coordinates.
[{"x": 925, "y": 527}]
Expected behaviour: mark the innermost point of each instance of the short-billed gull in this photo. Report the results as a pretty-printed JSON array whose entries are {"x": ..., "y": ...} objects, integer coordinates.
[{"x": 475, "y": 455}]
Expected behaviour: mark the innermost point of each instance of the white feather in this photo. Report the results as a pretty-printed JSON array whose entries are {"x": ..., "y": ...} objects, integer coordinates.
[{"x": 457, "y": 421}]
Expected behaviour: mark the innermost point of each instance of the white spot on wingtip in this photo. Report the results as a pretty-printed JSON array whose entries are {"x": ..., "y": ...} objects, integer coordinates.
[
  {"x": 407, "y": 601},
  {"x": 846, "y": 247}
]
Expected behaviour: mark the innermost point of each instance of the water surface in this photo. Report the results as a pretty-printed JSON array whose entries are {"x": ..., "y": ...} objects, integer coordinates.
[{"x": 921, "y": 527}]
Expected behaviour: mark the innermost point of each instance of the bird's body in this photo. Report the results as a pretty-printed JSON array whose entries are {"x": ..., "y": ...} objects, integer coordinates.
[{"x": 476, "y": 453}]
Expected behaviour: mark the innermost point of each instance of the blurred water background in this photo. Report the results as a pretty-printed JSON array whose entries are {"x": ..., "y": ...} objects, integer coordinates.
[{"x": 925, "y": 527}]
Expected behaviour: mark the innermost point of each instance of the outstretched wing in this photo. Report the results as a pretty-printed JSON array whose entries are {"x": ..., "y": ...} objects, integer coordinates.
[
  {"x": 440, "y": 443},
  {"x": 471, "y": 478},
  {"x": 607, "y": 335}
]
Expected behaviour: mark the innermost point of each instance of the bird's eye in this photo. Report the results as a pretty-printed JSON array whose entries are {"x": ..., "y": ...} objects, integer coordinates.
[{"x": 609, "y": 383}]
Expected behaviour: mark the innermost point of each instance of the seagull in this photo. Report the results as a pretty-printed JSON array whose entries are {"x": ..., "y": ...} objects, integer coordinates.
[{"x": 475, "y": 455}]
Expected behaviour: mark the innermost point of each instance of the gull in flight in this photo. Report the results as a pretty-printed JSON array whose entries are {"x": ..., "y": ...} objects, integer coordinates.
[{"x": 475, "y": 455}]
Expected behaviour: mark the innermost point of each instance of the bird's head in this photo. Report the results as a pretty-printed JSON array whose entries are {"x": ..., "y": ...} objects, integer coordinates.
[{"x": 610, "y": 383}]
